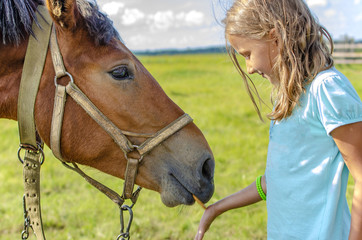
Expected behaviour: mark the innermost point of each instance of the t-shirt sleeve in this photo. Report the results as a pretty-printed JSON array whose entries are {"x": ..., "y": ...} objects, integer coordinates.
[{"x": 338, "y": 102}]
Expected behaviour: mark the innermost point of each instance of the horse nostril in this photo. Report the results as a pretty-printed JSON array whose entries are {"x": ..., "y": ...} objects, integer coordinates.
[
  {"x": 205, "y": 178},
  {"x": 208, "y": 169}
]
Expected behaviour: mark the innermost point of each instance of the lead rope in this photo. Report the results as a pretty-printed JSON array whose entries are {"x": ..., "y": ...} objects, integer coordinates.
[
  {"x": 34, "y": 156},
  {"x": 32, "y": 162}
]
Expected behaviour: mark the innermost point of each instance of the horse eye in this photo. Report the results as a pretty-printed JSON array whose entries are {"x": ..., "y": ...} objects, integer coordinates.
[{"x": 120, "y": 73}]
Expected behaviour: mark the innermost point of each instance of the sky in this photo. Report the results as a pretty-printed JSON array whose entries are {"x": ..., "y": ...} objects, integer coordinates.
[{"x": 180, "y": 24}]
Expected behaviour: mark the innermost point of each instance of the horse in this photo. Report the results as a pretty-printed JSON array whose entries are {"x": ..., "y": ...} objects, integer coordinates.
[{"x": 116, "y": 82}]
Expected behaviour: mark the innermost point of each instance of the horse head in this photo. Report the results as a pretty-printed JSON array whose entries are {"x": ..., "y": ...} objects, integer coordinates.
[{"x": 120, "y": 86}]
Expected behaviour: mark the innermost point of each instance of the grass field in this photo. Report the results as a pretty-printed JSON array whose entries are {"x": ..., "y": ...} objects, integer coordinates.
[{"x": 209, "y": 89}]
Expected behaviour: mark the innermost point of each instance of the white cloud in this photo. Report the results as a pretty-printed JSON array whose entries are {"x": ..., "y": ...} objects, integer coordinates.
[
  {"x": 112, "y": 8},
  {"x": 132, "y": 16},
  {"x": 357, "y": 2},
  {"x": 317, "y": 3},
  {"x": 194, "y": 18},
  {"x": 163, "y": 19}
]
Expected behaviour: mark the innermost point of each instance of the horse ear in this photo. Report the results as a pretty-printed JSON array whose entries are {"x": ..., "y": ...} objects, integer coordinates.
[{"x": 63, "y": 12}]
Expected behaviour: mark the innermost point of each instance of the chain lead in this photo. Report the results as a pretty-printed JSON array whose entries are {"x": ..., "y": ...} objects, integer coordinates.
[
  {"x": 25, "y": 232},
  {"x": 125, "y": 235}
]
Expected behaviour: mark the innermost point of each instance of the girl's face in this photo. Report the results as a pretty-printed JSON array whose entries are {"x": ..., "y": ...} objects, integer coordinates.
[{"x": 260, "y": 55}]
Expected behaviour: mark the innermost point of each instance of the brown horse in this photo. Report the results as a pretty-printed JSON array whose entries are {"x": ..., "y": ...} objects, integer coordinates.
[{"x": 119, "y": 85}]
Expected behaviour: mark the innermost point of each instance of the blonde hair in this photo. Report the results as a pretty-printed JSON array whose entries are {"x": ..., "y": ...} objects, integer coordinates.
[{"x": 303, "y": 51}]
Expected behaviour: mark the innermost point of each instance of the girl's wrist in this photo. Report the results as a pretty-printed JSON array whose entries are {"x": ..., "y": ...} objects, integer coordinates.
[
  {"x": 215, "y": 209},
  {"x": 259, "y": 188}
]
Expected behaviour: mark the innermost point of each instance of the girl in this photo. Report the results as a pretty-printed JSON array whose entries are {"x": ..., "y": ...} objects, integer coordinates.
[{"x": 316, "y": 129}]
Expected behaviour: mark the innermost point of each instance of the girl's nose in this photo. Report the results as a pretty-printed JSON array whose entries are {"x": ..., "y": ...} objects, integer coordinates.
[{"x": 250, "y": 68}]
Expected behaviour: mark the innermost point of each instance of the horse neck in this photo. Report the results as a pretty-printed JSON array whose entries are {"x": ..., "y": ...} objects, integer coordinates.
[{"x": 11, "y": 64}]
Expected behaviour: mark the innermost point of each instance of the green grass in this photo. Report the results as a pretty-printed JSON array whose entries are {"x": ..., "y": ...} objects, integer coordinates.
[{"x": 209, "y": 89}]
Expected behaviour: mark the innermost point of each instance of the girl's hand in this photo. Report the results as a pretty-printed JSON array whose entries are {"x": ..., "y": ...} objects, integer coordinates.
[
  {"x": 242, "y": 198},
  {"x": 205, "y": 222}
]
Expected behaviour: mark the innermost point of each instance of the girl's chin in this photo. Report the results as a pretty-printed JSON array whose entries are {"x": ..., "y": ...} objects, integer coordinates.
[{"x": 271, "y": 80}]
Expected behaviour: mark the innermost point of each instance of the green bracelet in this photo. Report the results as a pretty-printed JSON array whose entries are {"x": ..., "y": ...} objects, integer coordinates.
[{"x": 259, "y": 188}]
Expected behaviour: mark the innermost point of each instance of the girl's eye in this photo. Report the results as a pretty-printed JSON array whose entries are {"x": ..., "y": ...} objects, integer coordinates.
[
  {"x": 121, "y": 73},
  {"x": 246, "y": 55}
]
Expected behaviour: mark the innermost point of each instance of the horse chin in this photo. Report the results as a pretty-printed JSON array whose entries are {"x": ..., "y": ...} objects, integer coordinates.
[{"x": 173, "y": 193}]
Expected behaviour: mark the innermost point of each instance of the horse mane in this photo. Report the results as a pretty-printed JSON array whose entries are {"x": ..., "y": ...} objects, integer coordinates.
[
  {"x": 16, "y": 17},
  {"x": 99, "y": 26}
]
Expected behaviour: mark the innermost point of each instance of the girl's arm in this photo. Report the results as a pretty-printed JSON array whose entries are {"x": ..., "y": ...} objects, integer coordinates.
[
  {"x": 349, "y": 141},
  {"x": 244, "y": 197}
]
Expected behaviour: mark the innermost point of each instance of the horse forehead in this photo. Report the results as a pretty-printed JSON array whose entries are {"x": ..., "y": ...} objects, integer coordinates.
[
  {"x": 80, "y": 47},
  {"x": 114, "y": 47}
]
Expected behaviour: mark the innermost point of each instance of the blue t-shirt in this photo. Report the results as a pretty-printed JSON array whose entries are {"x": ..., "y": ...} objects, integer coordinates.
[{"x": 306, "y": 175}]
